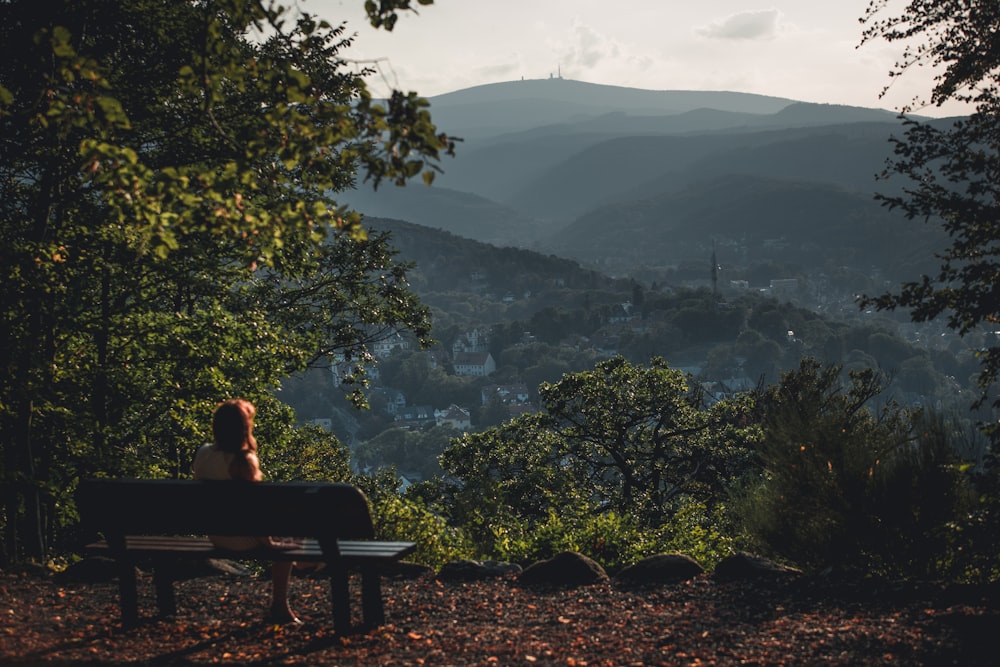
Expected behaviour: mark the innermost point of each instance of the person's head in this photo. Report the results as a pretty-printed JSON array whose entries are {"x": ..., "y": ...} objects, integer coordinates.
[{"x": 232, "y": 426}]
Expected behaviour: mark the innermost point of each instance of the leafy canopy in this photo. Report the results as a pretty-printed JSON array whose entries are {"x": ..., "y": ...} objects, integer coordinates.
[
  {"x": 950, "y": 168},
  {"x": 170, "y": 236},
  {"x": 633, "y": 441}
]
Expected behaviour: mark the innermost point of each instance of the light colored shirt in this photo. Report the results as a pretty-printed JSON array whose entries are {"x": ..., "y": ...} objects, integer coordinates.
[{"x": 212, "y": 463}]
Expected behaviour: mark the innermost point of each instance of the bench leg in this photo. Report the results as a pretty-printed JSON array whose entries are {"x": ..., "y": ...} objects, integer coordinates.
[
  {"x": 128, "y": 593},
  {"x": 340, "y": 596},
  {"x": 371, "y": 596},
  {"x": 163, "y": 581}
]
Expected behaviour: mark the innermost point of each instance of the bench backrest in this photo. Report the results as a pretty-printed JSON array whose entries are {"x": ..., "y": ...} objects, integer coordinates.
[{"x": 186, "y": 507}]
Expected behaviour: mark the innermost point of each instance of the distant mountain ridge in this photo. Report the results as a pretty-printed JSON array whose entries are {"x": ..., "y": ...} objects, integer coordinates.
[
  {"x": 502, "y": 108},
  {"x": 544, "y": 159},
  {"x": 815, "y": 225},
  {"x": 516, "y": 105}
]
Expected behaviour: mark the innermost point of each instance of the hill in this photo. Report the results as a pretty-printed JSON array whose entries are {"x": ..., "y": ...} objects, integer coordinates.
[
  {"x": 500, "y": 108},
  {"x": 446, "y": 262},
  {"x": 751, "y": 218},
  {"x": 638, "y": 183}
]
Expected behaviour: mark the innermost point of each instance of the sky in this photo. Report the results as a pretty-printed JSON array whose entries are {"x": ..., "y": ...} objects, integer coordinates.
[{"x": 805, "y": 50}]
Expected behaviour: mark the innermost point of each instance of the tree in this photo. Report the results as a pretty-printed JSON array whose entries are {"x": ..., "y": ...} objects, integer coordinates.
[
  {"x": 510, "y": 478},
  {"x": 951, "y": 167},
  {"x": 168, "y": 232},
  {"x": 644, "y": 436},
  {"x": 628, "y": 439},
  {"x": 847, "y": 487}
]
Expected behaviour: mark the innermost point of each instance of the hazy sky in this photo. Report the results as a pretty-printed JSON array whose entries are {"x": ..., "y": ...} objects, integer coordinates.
[{"x": 800, "y": 49}]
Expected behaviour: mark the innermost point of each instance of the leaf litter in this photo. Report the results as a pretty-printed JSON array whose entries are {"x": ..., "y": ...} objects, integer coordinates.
[{"x": 221, "y": 620}]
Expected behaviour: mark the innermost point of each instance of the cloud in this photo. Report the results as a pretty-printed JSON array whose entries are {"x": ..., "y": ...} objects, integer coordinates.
[
  {"x": 759, "y": 25},
  {"x": 587, "y": 52}
]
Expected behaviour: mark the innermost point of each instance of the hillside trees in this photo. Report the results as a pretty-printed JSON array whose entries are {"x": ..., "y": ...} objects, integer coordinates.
[
  {"x": 167, "y": 236},
  {"x": 951, "y": 168},
  {"x": 950, "y": 174}
]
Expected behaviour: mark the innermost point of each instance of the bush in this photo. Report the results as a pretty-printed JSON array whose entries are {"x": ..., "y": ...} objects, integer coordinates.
[
  {"x": 405, "y": 519},
  {"x": 410, "y": 518},
  {"x": 609, "y": 538},
  {"x": 695, "y": 530},
  {"x": 616, "y": 540},
  {"x": 847, "y": 489}
]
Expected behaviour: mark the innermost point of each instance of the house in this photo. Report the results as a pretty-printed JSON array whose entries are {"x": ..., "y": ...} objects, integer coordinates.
[
  {"x": 454, "y": 417},
  {"x": 507, "y": 393},
  {"x": 383, "y": 348},
  {"x": 515, "y": 410},
  {"x": 415, "y": 413},
  {"x": 343, "y": 370},
  {"x": 395, "y": 400},
  {"x": 437, "y": 357},
  {"x": 784, "y": 287},
  {"x": 606, "y": 346},
  {"x": 475, "y": 340},
  {"x": 479, "y": 364},
  {"x": 621, "y": 313}
]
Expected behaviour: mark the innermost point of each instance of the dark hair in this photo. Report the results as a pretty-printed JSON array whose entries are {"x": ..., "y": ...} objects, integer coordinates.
[{"x": 232, "y": 426}]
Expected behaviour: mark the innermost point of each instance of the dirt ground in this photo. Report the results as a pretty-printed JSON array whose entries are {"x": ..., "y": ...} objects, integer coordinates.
[{"x": 800, "y": 621}]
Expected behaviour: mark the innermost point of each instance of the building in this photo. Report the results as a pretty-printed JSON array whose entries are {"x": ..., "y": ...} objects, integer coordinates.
[
  {"x": 383, "y": 348},
  {"x": 454, "y": 417},
  {"x": 479, "y": 364},
  {"x": 506, "y": 393}
]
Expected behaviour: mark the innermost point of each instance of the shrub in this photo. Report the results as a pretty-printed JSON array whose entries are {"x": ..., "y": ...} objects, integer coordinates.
[
  {"x": 405, "y": 519},
  {"x": 411, "y": 518},
  {"x": 843, "y": 487}
]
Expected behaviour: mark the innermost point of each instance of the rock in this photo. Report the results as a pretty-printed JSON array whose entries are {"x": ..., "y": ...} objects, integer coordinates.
[
  {"x": 476, "y": 570},
  {"x": 749, "y": 566},
  {"x": 566, "y": 569},
  {"x": 659, "y": 569}
]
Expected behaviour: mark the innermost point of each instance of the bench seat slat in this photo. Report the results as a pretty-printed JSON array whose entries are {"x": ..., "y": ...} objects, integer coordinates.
[{"x": 202, "y": 547}]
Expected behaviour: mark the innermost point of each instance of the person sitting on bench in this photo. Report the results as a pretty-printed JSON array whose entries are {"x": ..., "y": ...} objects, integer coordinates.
[{"x": 233, "y": 456}]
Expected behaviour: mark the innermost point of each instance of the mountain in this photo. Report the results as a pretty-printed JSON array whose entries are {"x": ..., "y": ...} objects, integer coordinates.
[
  {"x": 752, "y": 219},
  {"x": 447, "y": 262},
  {"x": 501, "y": 108},
  {"x": 627, "y": 179},
  {"x": 632, "y": 167},
  {"x": 462, "y": 213}
]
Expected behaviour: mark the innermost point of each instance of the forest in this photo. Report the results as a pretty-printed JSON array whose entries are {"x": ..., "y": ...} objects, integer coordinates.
[{"x": 172, "y": 233}]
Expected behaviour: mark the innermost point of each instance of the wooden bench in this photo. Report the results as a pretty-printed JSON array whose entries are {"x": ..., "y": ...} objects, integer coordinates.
[{"x": 160, "y": 522}]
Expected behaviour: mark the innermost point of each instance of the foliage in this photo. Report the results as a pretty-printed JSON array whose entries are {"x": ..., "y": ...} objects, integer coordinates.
[
  {"x": 706, "y": 534},
  {"x": 611, "y": 539},
  {"x": 612, "y": 467},
  {"x": 846, "y": 488},
  {"x": 412, "y": 452},
  {"x": 167, "y": 232},
  {"x": 310, "y": 454},
  {"x": 642, "y": 436},
  {"x": 617, "y": 540},
  {"x": 507, "y": 478},
  {"x": 951, "y": 168},
  {"x": 411, "y": 518},
  {"x": 953, "y": 35}
]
